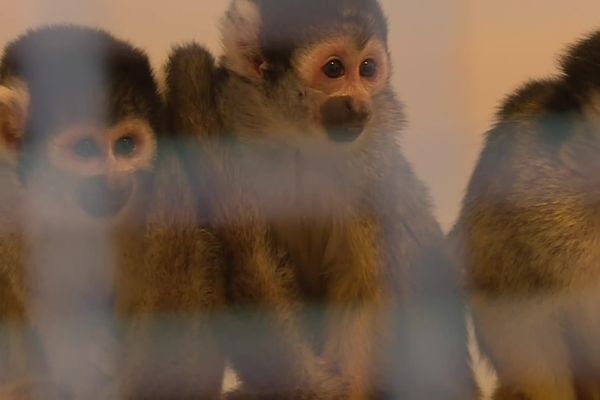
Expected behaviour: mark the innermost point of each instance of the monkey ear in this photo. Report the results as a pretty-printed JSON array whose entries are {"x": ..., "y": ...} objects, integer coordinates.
[
  {"x": 14, "y": 107},
  {"x": 240, "y": 30}
]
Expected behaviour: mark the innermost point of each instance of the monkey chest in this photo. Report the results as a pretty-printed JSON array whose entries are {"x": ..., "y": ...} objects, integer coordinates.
[{"x": 306, "y": 245}]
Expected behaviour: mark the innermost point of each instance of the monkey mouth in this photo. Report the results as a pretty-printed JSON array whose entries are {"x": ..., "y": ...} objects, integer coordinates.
[
  {"x": 99, "y": 200},
  {"x": 345, "y": 133}
]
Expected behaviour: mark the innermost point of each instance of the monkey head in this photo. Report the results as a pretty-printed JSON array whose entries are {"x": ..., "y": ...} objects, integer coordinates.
[
  {"x": 324, "y": 60},
  {"x": 78, "y": 115}
]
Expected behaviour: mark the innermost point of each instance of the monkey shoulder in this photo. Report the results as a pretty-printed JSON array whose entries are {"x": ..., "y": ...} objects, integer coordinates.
[
  {"x": 191, "y": 57},
  {"x": 519, "y": 166},
  {"x": 190, "y": 70},
  {"x": 581, "y": 64},
  {"x": 531, "y": 100},
  {"x": 532, "y": 124},
  {"x": 524, "y": 192},
  {"x": 543, "y": 115},
  {"x": 565, "y": 94},
  {"x": 193, "y": 76}
]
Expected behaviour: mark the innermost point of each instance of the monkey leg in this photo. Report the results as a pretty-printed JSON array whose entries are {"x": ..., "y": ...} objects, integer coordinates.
[
  {"x": 584, "y": 323},
  {"x": 171, "y": 357},
  {"x": 268, "y": 349},
  {"x": 354, "y": 308},
  {"x": 171, "y": 349},
  {"x": 350, "y": 347},
  {"x": 264, "y": 337},
  {"x": 22, "y": 373},
  {"x": 525, "y": 340}
]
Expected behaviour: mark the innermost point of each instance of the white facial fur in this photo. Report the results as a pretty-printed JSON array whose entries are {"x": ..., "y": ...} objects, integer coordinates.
[{"x": 240, "y": 29}]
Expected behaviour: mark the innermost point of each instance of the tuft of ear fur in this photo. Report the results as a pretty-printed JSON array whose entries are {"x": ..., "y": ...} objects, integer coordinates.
[
  {"x": 240, "y": 31},
  {"x": 14, "y": 107}
]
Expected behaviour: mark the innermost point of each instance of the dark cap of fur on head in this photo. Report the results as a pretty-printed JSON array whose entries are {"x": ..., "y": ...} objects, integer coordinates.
[
  {"x": 77, "y": 72},
  {"x": 290, "y": 24},
  {"x": 581, "y": 64}
]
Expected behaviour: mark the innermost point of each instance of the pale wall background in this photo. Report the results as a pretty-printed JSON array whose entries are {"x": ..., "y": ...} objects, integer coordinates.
[{"x": 453, "y": 59}]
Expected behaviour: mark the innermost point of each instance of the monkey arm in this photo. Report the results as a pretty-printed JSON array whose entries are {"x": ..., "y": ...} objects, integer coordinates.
[
  {"x": 13, "y": 355},
  {"x": 171, "y": 347},
  {"x": 430, "y": 356}
]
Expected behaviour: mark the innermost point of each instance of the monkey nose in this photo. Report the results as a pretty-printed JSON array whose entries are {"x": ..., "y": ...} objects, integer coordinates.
[
  {"x": 344, "y": 118},
  {"x": 99, "y": 197}
]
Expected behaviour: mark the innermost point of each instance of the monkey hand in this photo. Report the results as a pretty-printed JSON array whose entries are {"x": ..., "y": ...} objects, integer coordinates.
[{"x": 33, "y": 389}]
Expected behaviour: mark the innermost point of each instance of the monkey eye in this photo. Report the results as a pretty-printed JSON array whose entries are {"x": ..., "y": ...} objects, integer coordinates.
[
  {"x": 334, "y": 69},
  {"x": 125, "y": 146},
  {"x": 87, "y": 148},
  {"x": 368, "y": 68}
]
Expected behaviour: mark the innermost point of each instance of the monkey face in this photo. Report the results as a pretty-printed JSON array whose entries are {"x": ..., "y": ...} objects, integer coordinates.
[
  {"x": 319, "y": 64},
  {"x": 348, "y": 75},
  {"x": 92, "y": 171}
]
